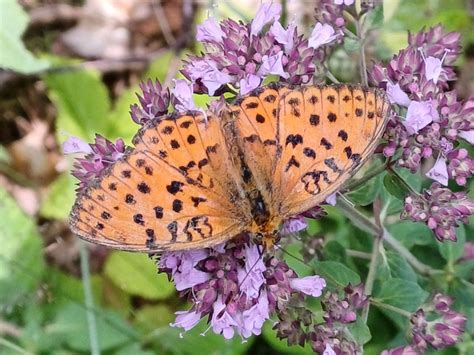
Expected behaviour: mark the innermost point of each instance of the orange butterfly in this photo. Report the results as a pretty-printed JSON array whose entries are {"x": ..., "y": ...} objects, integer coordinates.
[{"x": 194, "y": 181}]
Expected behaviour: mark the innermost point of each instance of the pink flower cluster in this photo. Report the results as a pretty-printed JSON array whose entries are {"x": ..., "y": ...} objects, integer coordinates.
[{"x": 234, "y": 286}]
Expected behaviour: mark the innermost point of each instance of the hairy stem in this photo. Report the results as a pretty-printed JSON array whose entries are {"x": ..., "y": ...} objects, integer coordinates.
[
  {"x": 89, "y": 301},
  {"x": 366, "y": 224},
  {"x": 391, "y": 308},
  {"x": 358, "y": 254}
]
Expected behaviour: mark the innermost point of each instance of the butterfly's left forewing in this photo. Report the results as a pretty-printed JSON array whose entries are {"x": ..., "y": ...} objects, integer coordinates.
[{"x": 174, "y": 191}]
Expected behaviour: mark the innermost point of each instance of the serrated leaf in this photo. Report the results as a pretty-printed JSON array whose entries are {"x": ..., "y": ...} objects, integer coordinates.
[
  {"x": 21, "y": 254},
  {"x": 400, "y": 293},
  {"x": 281, "y": 346},
  {"x": 335, "y": 274},
  {"x": 60, "y": 198},
  {"x": 14, "y": 54},
  {"x": 137, "y": 275},
  {"x": 452, "y": 251}
]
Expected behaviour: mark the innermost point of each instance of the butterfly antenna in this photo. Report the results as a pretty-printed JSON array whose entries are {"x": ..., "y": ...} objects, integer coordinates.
[
  {"x": 293, "y": 256},
  {"x": 260, "y": 252}
]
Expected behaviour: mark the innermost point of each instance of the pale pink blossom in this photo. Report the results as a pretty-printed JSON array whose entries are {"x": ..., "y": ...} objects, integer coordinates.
[
  {"x": 310, "y": 285},
  {"x": 284, "y": 36},
  {"x": 186, "y": 320},
  {"x": 322, "y": 34},
  {"x": 267, "y": 13},
  {"x": 433, "y": 68},
  {"x": 467, "y": 135},
  {"x": 396, "y": 95},
  {"x": 222, "y": 322},
  {"x": 439, "y": 171},
  {"x": 249, "y": 83},
  {"x": 419, "y": 115},
  {"x": 272, "y": 65},
  {"x": 76, "y": 145},
  {"x": 251, "y": 276},
  {"x": 209, "y": 31},
  {"x": 183, "y": 94}
]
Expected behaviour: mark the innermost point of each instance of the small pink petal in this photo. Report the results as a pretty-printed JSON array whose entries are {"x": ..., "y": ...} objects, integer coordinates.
[
  {"x": 439, "y": 172},
  {"x": 76, "y": 145}
]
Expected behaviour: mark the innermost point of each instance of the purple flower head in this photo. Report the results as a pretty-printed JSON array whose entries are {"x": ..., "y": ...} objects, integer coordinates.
[
  {"x": 183, "y": 96},
  {"x": 397, "y": 96},
  {"x": 183, "y": 268},
  {"x": 461, "y": 166},
  {"x": 419, "y": 115},
  {"x": 322, "y": 34},
  {"x": 154, "y": 102},
  {"x": 209, "y": 32},
  {"x": 330, "y": 12},
  {"x": 439, "y": 171},
  {"x": 233, "y": 286},
  {"x": 343, "y": 309},
  {"x": 102, "y": 154},
  {"x": 440, "y": 209},
  {"x": 268, "y": 12}
]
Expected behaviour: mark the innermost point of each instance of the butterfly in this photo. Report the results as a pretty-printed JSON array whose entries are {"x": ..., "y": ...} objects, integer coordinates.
[{"x": 195, "y": 180}]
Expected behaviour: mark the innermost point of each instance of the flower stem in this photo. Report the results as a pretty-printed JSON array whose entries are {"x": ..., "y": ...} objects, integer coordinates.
[
  {"x": 371, "y": 174},
  {"x": 362, "y": 60},
  {"x": 391, "y": 308},
  {"x": 89, "y": 301},
  {"x": 358, "y": 254},
  {"x": 366, "y": 224},
  {"x": 378, "y": 243}
]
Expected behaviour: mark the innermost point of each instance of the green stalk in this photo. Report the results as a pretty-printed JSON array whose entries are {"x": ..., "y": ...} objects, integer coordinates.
[{"x": 89, "y": 301}]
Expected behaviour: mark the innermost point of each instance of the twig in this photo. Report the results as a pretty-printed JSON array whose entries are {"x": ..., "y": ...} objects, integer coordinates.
[
  {"x": 358, "y": 254},
  {"x": 89, "y": 301},
  {"x": 362, "y": 61},
  {"x": 391, "y": 308},
  {"x": 163, "y": 23},
  {"x": 8, "y": 344},
  {"x": 369, "y": 282}
]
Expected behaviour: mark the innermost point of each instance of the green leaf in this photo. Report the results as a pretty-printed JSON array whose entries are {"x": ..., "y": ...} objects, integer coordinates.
[
  {"x": 410, "y": 233},
  {"x": 389, "y": 8},
  {"x": 21, "y": 254},
  {"x": 14, "y": 54},
  {"x": 400, "y": 293},
  {"x": 351, "y": 45},
  {"x": 82, "y": 102},
  {"x": 400, "y": 268},
  {"x": 374, "y": 18},
  {"x": 60, "y": 198},
  {"x": 71, "y": 325},
  {"x": 360, "y": 331},
  {"x": 452, "y": 251},
  {"x": 335, "y": 274},
  {"x": 149, "y": 318},
  {"x": 137, "y": 275},
  {"x": 366, "y": 194},
  {"x": 394, "y": 186},
  {"x": 463, "y": 291},
  {"x": 464, "y": 269}
]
